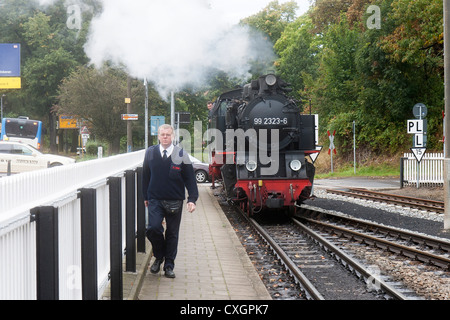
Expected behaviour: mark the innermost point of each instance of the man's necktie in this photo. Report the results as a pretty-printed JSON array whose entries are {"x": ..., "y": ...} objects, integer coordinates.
[{"x": 165, "y": 155}]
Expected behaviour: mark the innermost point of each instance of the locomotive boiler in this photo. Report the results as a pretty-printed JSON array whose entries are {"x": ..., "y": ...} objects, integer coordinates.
[{"x": 263, "y": 146}]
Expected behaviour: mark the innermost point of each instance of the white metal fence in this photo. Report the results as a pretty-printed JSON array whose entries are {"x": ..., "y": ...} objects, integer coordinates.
[
  {"x": 429, "y": 172},
  {"x": 22, "y": 258}
]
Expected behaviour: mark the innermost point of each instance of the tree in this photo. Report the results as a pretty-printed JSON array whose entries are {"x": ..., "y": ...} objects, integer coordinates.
[
  {"x": 328, "y": 12},
  {"x": 414, "y": 41},
  {"x": 50, "y": 52},
  {"x": 273, "y": 19},
  {"x": 298, "y": 51},
  {"x": 97, "y": 96},
  {"x": 418, "y": 34}
]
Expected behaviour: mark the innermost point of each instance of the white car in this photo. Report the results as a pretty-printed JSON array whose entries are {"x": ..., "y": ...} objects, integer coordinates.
[{"x": 24, "y": 158}]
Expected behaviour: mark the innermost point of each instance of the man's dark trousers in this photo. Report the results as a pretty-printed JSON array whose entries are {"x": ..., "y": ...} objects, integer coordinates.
[{"x": 164, "y": 245}]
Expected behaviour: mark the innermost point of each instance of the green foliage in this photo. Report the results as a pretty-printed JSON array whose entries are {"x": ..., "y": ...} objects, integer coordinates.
[
  {"x": 298, "y": 54},
  {"x": 92, "y": 147},
  {"x": 50, "y": 52},
  {"x": 97, "y": 96},
  {"x": 273, "y": 19},
  {"x": 370, "y": 76},
  {"x": 329, "y": 55}
]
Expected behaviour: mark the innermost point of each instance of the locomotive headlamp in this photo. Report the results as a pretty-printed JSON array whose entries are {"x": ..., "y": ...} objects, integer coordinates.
[
  {"x": 271, "y": 80},
  {"x": 251, "y": 165},
  {"x": 295, "y": 165}
]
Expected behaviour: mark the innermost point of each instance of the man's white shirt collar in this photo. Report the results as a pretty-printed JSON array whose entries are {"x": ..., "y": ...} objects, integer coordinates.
[{"x": 169, "y": 150}]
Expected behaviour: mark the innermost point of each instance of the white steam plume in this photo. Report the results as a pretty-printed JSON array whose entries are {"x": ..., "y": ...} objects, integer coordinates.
[
  {"x": 172, "y": 42},
  {"x": 46, "y": 2}
]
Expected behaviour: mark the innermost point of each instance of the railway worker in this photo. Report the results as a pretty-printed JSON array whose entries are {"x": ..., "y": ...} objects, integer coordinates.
[
  {"x": 210, "y": 106},
  {"x": 167, "y": 172}
]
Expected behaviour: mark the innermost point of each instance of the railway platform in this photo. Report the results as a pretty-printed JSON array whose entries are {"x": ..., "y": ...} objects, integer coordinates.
[{"x": 211, "y": 263}]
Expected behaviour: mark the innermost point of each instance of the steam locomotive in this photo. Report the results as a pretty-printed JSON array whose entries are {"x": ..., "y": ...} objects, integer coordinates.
[{"x": 261, "y": 146}]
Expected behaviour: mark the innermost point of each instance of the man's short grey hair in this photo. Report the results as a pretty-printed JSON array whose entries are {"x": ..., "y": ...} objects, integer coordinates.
[{"x": 165, "y": 127}]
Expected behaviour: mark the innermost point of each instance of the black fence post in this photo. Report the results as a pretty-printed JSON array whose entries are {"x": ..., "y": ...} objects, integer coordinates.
[
  {"x": 402, "y": 168},
  {"x": 89, "y": 278},
  {"x": 140, "y": 212},
  {"x": 115, "y": 242},
  {"x": 130, "y": 221},
  {"x": 47, "y": 259}
]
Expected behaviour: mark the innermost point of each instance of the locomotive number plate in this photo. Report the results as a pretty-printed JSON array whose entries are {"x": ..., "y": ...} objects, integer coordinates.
[{"x": 269, "y": 121}]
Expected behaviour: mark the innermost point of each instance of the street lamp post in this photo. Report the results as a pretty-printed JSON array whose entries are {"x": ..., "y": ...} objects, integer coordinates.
[
  {"x": 447, "y": 114},
  {"x": 3, "y": 95}
]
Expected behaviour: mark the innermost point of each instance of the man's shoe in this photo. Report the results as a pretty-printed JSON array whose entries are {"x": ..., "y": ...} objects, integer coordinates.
[
  {"x": 156, "y": 266},
  {"x": 169, "y": 273}
]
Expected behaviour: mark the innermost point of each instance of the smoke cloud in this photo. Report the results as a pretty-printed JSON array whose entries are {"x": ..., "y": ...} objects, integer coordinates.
[
  {"x": 172, "y": 43},
  {"x": 46, "y": 2}
]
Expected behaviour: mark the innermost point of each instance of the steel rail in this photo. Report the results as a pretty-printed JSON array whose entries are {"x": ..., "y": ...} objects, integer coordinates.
[
  {"x": 430, "y": 205},
  {"x": 423, "y": 256},
  {"x": 420, "y": 239},
  {"x": 311, "y": 292},
  {"x": 309, "y": 288},
  {"x": 345, "y": 258}
]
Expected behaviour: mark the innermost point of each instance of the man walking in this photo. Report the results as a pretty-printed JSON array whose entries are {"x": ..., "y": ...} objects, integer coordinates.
[{"x": 167, "y": 172}]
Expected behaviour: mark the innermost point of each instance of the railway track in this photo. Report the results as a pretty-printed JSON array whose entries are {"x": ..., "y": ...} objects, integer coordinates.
[
  {"x": 428, "y": 250},
  {"x": 321, "y": 268},
  {"x": 422, "y": 204},
  {"x": 309, "y": 248}
]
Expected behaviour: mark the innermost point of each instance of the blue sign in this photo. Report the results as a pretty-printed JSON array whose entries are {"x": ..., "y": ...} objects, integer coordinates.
[
  {"x": 9, "y": 60},
  {"x": 155, "y": 123}
]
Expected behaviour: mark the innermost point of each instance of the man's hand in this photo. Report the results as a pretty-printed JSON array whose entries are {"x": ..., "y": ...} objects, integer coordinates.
[{"x": 190, "y": 206}]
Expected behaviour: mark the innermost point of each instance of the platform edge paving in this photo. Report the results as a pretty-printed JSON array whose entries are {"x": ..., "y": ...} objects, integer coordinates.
[
  {"x": 193, "y": 282},
  {"x": 133, "y": 282},
  {"x": 252, "y": 274}
]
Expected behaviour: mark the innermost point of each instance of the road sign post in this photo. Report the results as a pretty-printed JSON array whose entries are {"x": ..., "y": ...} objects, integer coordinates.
[
  {"x": 418, "y": 128},
  {"x": 332, "y": 148}
]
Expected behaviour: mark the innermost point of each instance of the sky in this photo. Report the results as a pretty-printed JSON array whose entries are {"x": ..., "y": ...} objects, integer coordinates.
[
  {"x": 175, "y": 43},
  {"x": 236, "y": 10}
]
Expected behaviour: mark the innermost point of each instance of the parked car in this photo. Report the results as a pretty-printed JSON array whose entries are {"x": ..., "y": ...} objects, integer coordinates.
[
  {"x": 201, "y": 170},
  {"x": 24, "y": 157}
]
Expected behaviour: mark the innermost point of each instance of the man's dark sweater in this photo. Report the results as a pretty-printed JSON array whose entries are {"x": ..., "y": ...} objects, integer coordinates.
[{"x": 166, "y": 179}]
